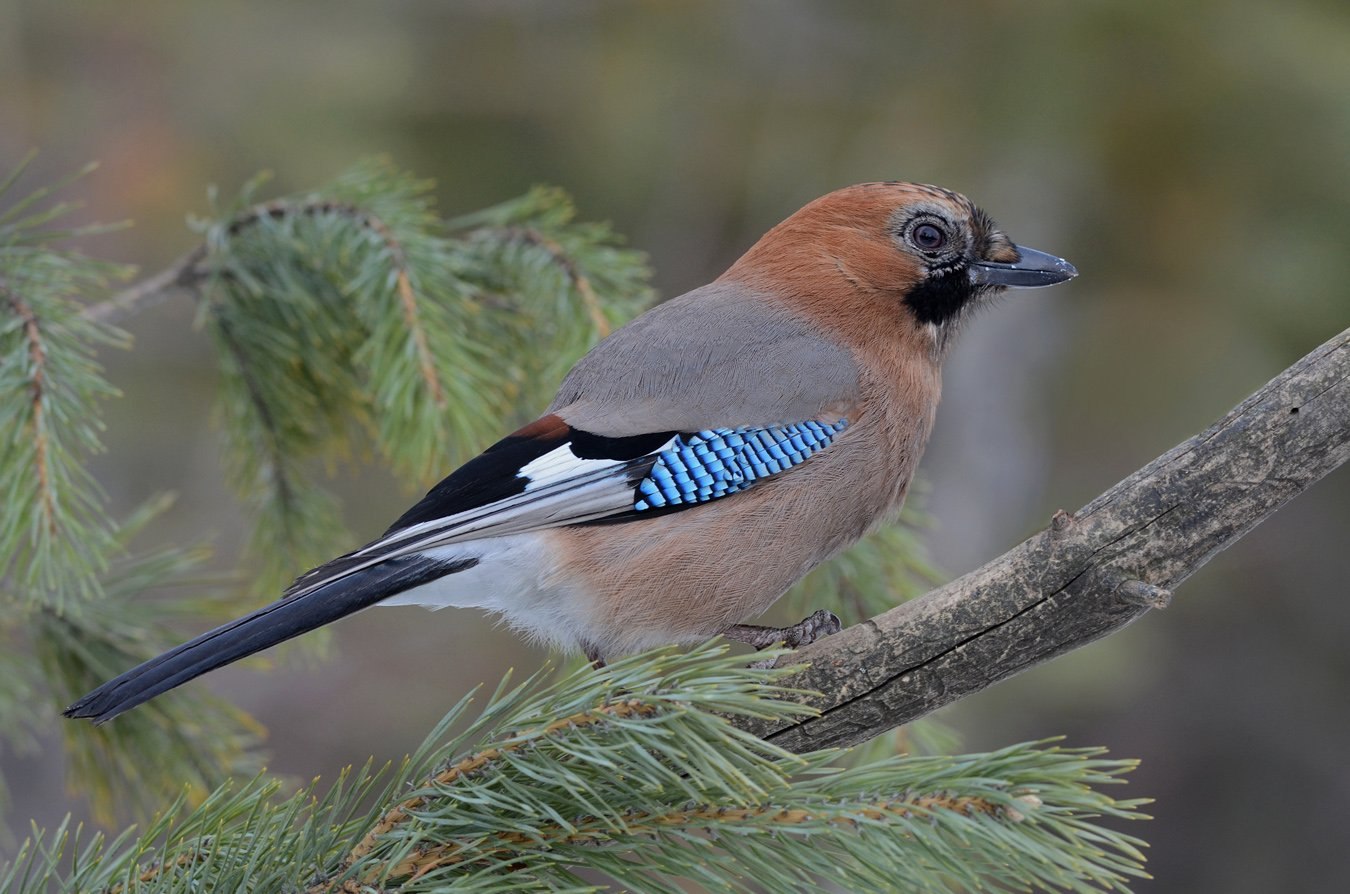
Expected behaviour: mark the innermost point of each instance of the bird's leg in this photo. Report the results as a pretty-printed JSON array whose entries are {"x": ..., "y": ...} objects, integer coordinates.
[
  {"x": 806, "y": 631},
  {"x": 593, "y": 656}
]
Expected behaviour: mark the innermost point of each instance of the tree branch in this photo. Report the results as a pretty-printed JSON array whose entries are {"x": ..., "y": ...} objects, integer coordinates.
[
  {"x": 181, "y": 274},
  {"x": 187, "y": 271},
  {"x": 1086, "y": 575},
  {"x": 37, "y": 383}
]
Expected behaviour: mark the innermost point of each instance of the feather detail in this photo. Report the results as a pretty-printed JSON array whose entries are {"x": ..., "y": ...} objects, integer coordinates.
[{"x": 710, "y": 464}]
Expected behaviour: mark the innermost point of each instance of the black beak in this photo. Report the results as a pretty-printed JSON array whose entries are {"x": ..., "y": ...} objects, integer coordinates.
[{"x": 1036, "y": 269}]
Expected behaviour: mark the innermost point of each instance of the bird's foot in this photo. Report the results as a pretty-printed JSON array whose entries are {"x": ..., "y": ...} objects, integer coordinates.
[
  {"x": 593, "y": 655},
  {"x": 806, "y": 631}
]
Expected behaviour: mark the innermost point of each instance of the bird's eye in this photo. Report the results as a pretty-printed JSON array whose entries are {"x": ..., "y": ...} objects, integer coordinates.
[{"x": 928, "y": 237}]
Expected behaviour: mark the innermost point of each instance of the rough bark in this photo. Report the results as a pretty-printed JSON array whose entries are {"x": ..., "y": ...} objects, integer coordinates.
[{"x": 1087, "y": 574}]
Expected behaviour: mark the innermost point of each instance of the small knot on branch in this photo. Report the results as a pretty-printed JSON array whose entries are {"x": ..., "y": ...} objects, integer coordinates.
[
  {"x": 1061, "y": 523},
  {"x": 1143, "y": 594}
]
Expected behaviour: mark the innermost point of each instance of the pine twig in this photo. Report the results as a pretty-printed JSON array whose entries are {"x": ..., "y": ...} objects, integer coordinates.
[
  {"x": 568, "y": 266},
  {"x": 1087, "y": 574},
  {"x": 276, "y": 459},
  {"x": 37, "y": 355},
  {"x": 401, "y": 813},
  {"x": 592, "y": 830},
  {"x": 187, "y": 271},
  {"x": 187, "y": 858},
  {"x": 181, "y": 274},
  {"x": 426, "y": 364}
]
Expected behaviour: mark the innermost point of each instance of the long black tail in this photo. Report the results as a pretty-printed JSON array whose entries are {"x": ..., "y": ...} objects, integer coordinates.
[{"x": 252, "y": 633}]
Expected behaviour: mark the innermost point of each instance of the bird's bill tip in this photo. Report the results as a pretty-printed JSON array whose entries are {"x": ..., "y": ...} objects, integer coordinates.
[{"x": 1034, "y": 270}]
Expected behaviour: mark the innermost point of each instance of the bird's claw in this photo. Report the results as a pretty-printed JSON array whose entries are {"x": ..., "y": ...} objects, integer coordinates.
[{"x": 818, "y": 625}]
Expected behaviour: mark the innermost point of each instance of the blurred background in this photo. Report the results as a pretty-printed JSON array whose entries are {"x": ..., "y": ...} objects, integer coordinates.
[{"x": 1191, "y": 159}]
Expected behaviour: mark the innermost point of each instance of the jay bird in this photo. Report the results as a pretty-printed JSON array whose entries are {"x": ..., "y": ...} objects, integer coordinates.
[{"x": 696, "y": 462}]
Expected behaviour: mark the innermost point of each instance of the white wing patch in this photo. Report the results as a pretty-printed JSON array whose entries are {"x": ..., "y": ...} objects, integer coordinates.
[{"x": 560, "y": 464}]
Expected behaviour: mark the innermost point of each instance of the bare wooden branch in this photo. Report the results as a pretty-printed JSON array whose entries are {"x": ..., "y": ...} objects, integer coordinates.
[
  {"x": 1087, "y": 574},
  {"x": 150, "y": 291}
]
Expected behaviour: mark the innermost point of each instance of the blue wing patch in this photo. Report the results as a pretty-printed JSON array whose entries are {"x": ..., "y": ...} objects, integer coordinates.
[{"x": 720, "y": 461}]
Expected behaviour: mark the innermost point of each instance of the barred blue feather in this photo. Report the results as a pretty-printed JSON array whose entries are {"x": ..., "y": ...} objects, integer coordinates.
[{"x": 716, "y": 462}]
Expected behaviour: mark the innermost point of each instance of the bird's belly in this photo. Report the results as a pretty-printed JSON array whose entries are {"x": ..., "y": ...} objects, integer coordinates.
[
  {"x": 510, "y": 581},
  {"x": 684, "y": 577}
]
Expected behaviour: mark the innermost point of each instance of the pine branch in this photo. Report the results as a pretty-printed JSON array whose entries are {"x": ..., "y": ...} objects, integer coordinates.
[
  {"x": 37, "y": 356},
  {"x": 53, "y": 527},
  {"x": 1088, "y": 574},
  {"x": 404, "y": 811},
  {"x": 579, "y": 281},
  {"x": 627, "y": 776},
  {"x": 193, "y": 271},
  {"x": 197, "y": 741},
  {"x": 356, "y": 311},
  {"x": 633, "y": 777},
  {"x": 55, "y": 541},
  {"x": 148, "y": 292},
  {"x": 61, "y": 503},
  {"x": 590, "y": 830},
  {"x": 187, "y": 272}
]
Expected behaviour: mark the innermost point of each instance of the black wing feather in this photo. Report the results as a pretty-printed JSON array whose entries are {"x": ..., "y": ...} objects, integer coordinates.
[{"x": 269, "y": 625}]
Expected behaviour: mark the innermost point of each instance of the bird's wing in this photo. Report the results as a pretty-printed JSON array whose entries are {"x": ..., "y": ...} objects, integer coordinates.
[
  {"x": 697, "y": 399},
  {"x": 550, "y": 474}
]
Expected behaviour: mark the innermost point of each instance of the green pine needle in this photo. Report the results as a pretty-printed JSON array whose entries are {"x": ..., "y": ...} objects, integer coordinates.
[
  {"x": 53, "y": 530},
  {"x": 632, "y": 778},
  {"x": 197, "y": 740}
]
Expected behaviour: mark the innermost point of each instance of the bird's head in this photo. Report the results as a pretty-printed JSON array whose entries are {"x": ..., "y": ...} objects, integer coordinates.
[{"x": 894, "y": 254}]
